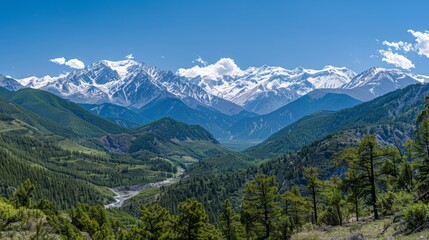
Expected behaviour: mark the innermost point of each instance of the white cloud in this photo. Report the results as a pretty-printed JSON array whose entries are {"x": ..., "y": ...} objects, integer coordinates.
[
  {"x": 399, "y": 45},
  {"x": 422, "y": 42},
  {"x": 73, "y": 63},
  {"x": 225, "y": 66},
  {"x": 59, "y": 61},
  {"x": 129, "y": 56},
  {"x": 396, "y": 59},
  {"x": 200, "y": 60}
]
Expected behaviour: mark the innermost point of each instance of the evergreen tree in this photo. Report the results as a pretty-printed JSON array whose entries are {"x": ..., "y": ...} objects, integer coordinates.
[
  {"x": 363, "y": 160},
  {"x": 155, "y": 223},
  {"x": 192, "y": 222},
  {"x": 333, "y": 198},
  {"x": 229, "y": 222},
  {"x": 313, "y": 183},
  {"x": 248, "y": 220},
  {"x": 421, "y": 144},
  {"x": 259, "y": 203},
  {"x": 294, "y": 207},
  {"x": 355, "y": 185},
  {"x": 23, "y": 195}
]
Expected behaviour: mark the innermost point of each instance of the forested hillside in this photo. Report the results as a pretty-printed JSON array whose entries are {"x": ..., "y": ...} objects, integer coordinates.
[
  {"x": 399, "y": 107},
  {"x": 73, "y": 156}
]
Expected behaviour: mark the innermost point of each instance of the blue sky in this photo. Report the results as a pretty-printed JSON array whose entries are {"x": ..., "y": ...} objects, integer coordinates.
[{"x": 172, "y": 34}]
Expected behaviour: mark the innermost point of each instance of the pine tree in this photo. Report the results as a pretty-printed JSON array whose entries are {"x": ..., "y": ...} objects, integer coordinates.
[
  {"x": 229, "y": 222},
  {"x": 421, "y": 144},
  {"x": 313, "y": 183},
  {"x": 23, "y": 195},
  {"x": 294, "y": 206},
  {"x": 355, "y": 185},
  {"x": 333, "y": 199},
  {"x": 155, "y": 223},
  {"x": 192, "y": 223},
  {"x": 363, "y": 160},
  {"x": 259, "y": 203},
  {"x": 248, "y": 220}
]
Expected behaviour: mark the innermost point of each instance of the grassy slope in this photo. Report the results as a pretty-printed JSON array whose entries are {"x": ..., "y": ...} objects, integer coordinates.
[
  {"x": 66, "y": 113},
  {"x": 380, "y": 229}
]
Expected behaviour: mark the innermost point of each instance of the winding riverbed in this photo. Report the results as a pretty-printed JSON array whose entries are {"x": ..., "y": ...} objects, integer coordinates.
[{"x": 122, "y": 195}]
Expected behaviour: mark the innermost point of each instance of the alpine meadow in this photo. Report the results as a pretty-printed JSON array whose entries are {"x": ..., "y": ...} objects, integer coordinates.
[{"x": 197, "y": 120}]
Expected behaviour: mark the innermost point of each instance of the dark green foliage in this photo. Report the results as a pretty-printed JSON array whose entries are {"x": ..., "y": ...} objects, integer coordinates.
[{"x": 421, "y": 147}]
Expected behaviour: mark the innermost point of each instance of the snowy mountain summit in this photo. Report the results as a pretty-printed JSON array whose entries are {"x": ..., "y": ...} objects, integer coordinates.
[{"x": 377, "y": 81}]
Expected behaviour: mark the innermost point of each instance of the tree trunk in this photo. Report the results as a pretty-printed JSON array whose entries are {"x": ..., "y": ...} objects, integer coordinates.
[
  {"x": 314, "y": 205},
  {"x": 357, "y": 208}
]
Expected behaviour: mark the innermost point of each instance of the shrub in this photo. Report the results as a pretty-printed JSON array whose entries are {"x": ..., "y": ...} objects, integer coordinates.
[
  {"x": 416, "y": 216},
  {"x": 390, "y": 203}
]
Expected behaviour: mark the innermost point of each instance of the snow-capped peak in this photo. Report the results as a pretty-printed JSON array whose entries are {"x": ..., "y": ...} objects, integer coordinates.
[
  {"x": 377, "y": 75},
  {"x": 123, "y": 68}
]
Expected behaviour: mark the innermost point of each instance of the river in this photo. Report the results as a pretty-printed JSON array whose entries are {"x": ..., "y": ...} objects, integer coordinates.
[{"x": 122, "y": 195}]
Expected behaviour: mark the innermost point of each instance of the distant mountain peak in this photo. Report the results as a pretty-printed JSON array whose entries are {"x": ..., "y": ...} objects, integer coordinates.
[
  {"x": 123, "y": 68},
  {"x": 378, "y": 81},
  {"x": 9, "y": 83}
]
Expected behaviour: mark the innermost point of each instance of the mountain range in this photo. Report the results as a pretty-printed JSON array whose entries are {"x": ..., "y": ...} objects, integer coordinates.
[
  {"x": 250, "y": 105},
  {"x": 127, "y": 83}
]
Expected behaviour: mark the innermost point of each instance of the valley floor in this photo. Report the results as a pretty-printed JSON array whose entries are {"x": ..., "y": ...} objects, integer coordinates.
[{"x": 381, "y": 229}]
